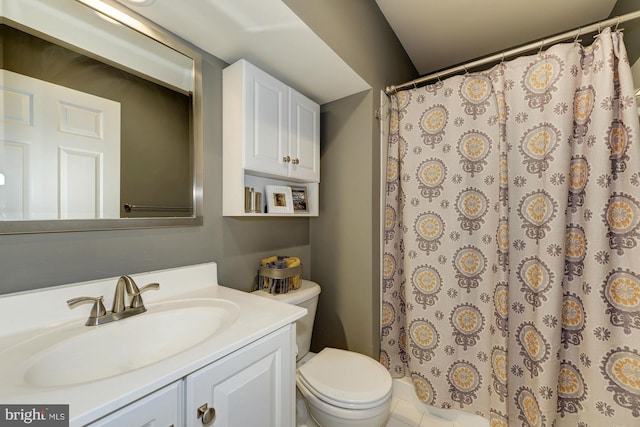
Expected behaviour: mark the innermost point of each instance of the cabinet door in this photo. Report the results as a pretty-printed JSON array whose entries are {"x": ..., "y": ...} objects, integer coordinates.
[
  {"x": 159, "y": 409},
  {"x": 265, "y": 120},
  {"x": 252, "y": 387},
  {"x": 304, "y": 137}
]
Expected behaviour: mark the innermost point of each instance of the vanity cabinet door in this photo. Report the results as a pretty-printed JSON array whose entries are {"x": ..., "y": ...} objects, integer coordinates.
[
  {"x": 159, "y": 409},
  {"x": 252, "y": 387}
]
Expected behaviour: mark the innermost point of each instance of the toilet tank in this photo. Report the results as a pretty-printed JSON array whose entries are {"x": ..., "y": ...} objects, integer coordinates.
[{"x": 307, "y": 297}]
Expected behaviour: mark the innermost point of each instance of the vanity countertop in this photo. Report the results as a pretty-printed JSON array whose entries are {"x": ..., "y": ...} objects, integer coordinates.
[{"x": 30, "y": 315}]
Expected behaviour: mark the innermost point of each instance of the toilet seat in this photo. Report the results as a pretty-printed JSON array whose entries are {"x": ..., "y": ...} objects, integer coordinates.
[{"x": 346, "y": 379}]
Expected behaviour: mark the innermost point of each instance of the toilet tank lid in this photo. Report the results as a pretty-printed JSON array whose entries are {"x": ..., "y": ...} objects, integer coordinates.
[{"x": 306, "y": 291}]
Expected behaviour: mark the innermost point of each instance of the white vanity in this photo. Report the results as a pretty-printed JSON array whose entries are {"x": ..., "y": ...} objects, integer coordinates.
[{"x": 200, "y": 354}]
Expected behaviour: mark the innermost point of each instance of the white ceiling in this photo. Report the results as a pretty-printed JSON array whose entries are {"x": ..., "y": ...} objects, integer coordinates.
[
  {"x": 438, "y": 34},
  {"x": 264, "y": 32}
]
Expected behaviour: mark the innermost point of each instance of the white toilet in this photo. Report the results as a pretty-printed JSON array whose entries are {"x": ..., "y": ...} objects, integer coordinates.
[{"x": 340, "y": 388}]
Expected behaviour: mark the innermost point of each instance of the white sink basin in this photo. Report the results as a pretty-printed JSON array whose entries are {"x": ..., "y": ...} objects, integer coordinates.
[{"x": 97, "y": 352}]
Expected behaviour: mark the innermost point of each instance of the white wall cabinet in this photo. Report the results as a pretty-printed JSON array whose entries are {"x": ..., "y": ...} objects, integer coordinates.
[
  {"x": 271, "y": 136},
  {"x": 162, "y": 408},
  {"x": 255, "y": 386}
]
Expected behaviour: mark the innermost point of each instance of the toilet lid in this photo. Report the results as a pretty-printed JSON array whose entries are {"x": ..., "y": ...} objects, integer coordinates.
[{"x": 346, "y": 379}]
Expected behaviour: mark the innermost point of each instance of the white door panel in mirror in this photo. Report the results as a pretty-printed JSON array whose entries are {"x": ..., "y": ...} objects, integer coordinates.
[{"x": 70, "y": 145}]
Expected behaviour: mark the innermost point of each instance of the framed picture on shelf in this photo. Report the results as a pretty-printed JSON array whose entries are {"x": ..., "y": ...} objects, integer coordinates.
[
  {"x": 279, "y": 199},
  {"x": 300, "y": 200}
]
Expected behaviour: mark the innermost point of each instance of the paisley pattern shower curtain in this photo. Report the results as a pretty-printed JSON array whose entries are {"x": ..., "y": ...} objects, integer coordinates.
[{"x": 511, "y": 283}]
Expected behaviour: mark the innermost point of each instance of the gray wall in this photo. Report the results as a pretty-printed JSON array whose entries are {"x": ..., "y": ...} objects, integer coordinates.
[
  {"x": 339, "y": 249},
  {"x": 345, "y": 237},
  {"x": 41, "y": 260}
]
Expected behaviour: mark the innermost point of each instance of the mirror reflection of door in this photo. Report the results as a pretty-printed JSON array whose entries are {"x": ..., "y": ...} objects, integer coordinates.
[{"x": 60, "y": 155}]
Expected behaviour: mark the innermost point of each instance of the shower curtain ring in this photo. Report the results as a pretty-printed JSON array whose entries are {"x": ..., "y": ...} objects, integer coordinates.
[
  {"x": 438, "y": 77},
  {"x": 465, "y": 69},
  {"x": 577, "y": 39},
  {"x": 617, "y": 23},
  {"x": 541, "y": 47}
]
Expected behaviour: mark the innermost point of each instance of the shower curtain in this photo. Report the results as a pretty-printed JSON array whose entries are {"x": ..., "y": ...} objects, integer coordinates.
[{"x": 511, "y": 270}]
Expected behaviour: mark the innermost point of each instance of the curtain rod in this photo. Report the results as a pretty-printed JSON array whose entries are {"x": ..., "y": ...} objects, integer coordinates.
[{"x": 539, "y": 44}]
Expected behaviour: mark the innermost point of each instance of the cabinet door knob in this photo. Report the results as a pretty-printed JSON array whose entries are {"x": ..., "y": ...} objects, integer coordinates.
[
  {"x": 207, "y": 414},
  {"x": 295, "y": 161},
  {"x": 286, "y": 159}
]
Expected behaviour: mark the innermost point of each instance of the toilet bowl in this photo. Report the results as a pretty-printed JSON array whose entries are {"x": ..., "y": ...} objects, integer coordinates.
[{"x": 340, "y": 388}]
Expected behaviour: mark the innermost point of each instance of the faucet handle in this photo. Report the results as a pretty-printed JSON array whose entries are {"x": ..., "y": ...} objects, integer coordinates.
[
  {"x": 136, "y": 300},
  {"x": 97, "y": 311}
]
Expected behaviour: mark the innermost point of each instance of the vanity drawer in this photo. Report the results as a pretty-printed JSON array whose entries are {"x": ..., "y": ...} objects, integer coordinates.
[{"x": 159, "y": 409}]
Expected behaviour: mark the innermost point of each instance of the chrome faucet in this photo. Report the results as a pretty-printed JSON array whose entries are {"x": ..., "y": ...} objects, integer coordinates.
[
  {"x": 119, "y": 310},
  {"x": 126, "y": 283}
]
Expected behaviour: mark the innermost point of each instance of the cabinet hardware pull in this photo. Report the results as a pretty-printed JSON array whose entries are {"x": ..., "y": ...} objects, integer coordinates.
[
  {"x": 295, "y": 161},
  {"x": 286, "y": 159},
  {"x": 207, "y": 414}
]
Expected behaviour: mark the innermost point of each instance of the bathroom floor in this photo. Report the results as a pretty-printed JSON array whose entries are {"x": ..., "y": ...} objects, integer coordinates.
[
  {"x": 408, "y": 411},
  {"x": 404, "y": 414}
]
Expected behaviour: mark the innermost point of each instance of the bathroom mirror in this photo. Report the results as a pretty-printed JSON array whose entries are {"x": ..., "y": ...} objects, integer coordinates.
[{"x": 101, "y": 120}]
